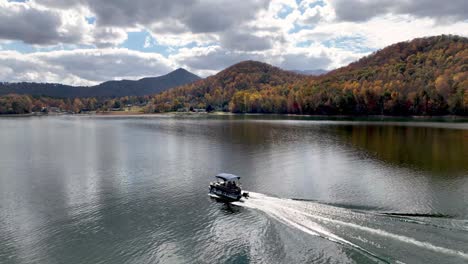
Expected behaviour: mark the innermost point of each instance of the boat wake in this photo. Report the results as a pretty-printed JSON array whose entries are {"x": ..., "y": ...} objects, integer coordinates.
[{"x": 374, "y": 234}]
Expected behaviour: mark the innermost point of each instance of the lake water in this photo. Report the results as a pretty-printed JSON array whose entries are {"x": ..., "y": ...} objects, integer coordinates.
[{"x": 90, "y": 189}]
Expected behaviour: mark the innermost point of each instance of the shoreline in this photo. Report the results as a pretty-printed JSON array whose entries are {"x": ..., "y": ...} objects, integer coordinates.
[
  {"x": 455, "y": 118},
  {"x": 373, "y": 117}
]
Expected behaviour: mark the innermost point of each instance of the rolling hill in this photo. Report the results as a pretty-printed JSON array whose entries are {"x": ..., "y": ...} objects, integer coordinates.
[
  {"x": 425, "y": 76},
  {"x": 145, "y": 86},
  {"x": 218, "y": 90}
]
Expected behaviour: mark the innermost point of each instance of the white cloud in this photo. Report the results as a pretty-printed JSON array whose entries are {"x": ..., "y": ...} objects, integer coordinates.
[
  {"x": 380, "y": 31},
  {"x": 362, "y": 10},
  {"x": 108, "y": 36},
  {"x": 209, "y": 60},
  {"x": 148, "y": 42},
  {"x": 206, "y": 36},
  {"x": 183, "y": 39},
  {"x": 244, "y": 41},
  {"x": 81, "y": 66},
  {"x": 36, "y": 24}
]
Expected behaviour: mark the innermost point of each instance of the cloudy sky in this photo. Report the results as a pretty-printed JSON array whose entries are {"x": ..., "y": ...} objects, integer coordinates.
[{"x": 85, "y": 42}]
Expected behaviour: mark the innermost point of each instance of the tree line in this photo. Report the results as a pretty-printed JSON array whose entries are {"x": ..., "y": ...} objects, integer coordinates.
[
  {"x": 24, "y": 104},
  {"x": 426, "y": 76}
]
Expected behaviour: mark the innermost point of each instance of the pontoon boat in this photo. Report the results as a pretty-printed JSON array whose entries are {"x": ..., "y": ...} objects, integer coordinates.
[{"x": 227, "y": 187}]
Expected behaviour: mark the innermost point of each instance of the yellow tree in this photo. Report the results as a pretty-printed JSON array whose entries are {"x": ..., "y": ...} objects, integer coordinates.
[{"x": 77, "y": 105}]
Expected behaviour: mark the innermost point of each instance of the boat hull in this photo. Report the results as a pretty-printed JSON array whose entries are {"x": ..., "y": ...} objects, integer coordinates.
[{"x": 223, "y": 195}]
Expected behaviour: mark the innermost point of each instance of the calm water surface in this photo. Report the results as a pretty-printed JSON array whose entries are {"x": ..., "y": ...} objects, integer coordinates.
[{"x": 83, "y": 189}]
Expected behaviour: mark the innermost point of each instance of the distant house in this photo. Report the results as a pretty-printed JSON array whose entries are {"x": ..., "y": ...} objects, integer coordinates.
[
  {"x": 54, "y": 110},
  {"x": 199, "y": 110},
  {"x": 183, "y": 109}
]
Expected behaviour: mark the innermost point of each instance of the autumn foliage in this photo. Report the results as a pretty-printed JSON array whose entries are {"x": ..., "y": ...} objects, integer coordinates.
[
  {"x": 426, "y": 76},
  {"x": 24, "y": 104},
  {"x": 218, "y": 91}
]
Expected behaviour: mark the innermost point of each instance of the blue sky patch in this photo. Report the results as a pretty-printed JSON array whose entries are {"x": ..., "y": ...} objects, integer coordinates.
[
  {"x": 91, "y": 20},
  {"x": 136, "y": 41},
  {"x": 317, "y": 3},
  {"x": 298, "y": 28},
  {"x": 304, "y": 44},
  {"x": 285, "y": 11},
  {"x": 18, "y": 46},
  {"x": 355, "y": 43},
  {"x": 302, "y": 9}
]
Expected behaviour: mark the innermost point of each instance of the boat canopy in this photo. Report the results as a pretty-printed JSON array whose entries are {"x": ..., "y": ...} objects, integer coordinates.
[{"x": 227, "y": 177}]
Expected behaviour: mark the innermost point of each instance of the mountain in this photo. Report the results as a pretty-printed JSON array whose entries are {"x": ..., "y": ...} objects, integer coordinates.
[
  {"x": 145, "y": 86},
  {"x": 217, "y": 90},
  {"x": 250, "y": 75},
  {"x": 425, "y": 76},
  {"x": 418, "y": 53},
  {"x": 316, "y": 72}
]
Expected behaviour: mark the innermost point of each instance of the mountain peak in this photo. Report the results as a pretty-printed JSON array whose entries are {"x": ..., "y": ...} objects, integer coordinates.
[
  {"x": 116, "y": 88},
  {"x": 257, "y": 73},
  {"x": 180, "y": 70},
  {"x": 183, "y": 72},
  {"x": 250, "y": 65}
]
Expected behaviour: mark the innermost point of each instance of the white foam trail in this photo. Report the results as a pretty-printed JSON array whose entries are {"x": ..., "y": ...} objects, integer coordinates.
[
  {"x": 293, "y": 213},
  {"x": 293, "y": 218},
  {"x": 394, "y": 236}
]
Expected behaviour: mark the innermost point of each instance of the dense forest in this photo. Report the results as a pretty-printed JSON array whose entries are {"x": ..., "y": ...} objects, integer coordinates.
[
  {"x": 426, "y": 76},
  {"x": 25, "y": 104},
  {"x": 222, "y": 89}
]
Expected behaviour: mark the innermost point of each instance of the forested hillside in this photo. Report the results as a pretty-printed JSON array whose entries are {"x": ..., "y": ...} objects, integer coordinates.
[
  {"x": 427, "y": 76},
  {"x": 424, "y": 76},
  {"x": 218, "y": 90}
]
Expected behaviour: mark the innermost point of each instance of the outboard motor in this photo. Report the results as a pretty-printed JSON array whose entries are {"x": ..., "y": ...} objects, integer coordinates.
[{"x": 245, "y": 194}]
